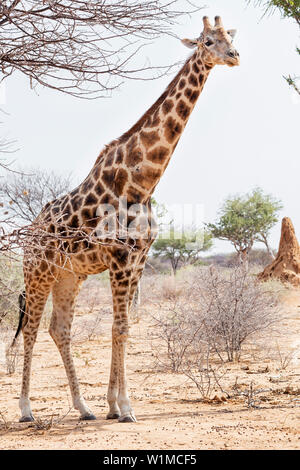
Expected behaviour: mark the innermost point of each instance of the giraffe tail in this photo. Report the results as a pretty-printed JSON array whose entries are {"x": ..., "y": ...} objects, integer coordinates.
[{"x": 22, "y": 308}]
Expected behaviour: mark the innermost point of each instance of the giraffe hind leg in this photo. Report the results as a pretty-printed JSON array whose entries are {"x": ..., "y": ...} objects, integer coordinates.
[
  {"x": 29, "y": 323},
  {"x": 64, "y": 294}
]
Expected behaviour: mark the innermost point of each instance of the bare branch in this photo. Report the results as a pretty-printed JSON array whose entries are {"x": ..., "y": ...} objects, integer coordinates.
[{"x": 79, "y": 47}]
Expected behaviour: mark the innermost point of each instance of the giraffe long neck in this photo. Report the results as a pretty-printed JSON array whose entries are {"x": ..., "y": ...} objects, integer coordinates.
[{"x": 134, "y": 163}]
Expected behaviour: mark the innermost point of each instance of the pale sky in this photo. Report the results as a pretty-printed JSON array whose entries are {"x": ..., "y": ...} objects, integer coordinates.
[{"x": 244, "y": 131}]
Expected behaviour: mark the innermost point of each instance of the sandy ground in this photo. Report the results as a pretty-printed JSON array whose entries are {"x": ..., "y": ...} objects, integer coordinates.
[{"x": 170, "y": 414}]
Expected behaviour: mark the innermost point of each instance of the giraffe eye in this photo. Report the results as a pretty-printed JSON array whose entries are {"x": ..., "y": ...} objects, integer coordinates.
[{"x": 209, "y": 42}]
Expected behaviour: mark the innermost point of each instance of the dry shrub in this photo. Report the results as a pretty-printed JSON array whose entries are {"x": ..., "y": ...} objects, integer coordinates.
[
  {"x": 9, "y": 355},
  {"x": 11, "y": 282},
  {"x": 234, "y": 306},
  {"x": 12, "y": 358},
  {"x": 197, "y": 332},
  {"x": 87, "y": 328}
]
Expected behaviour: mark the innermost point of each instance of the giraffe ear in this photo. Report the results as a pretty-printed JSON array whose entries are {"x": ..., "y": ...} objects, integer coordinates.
[
  {"x": 191, "y": 43},
  {"x": 232, "y": 32}
]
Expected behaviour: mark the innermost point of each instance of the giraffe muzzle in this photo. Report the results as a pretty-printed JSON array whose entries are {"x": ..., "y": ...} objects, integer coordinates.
[{"x": 233, "y": 58}]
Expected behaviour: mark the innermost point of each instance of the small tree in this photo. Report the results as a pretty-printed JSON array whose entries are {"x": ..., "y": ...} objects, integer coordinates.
[
  {"x": 23, "y": 194},
  {"x": 246, "y": 219},
  {"x": 182, "y": 249}
]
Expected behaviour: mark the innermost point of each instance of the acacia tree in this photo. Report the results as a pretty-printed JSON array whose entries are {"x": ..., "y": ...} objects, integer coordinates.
[
  {"x": 82, "y": 47},
  {"x": 246, "y": 219},
  {"x": 182, "y": 248},
  {"x": 288, "y": 9}
]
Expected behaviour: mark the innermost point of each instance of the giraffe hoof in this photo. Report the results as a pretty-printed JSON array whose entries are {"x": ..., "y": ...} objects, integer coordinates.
[
  {"x": 26, "y": 419},
  {"x": 127, "y": 419},
  {"x": 113, "y": 416},
  {"x": 89, "y": 417}
]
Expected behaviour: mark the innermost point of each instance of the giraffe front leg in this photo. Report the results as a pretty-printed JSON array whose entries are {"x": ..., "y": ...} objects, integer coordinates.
[
  {"x": 113, "y": 387},
  {"x": 118, "y": 400}
]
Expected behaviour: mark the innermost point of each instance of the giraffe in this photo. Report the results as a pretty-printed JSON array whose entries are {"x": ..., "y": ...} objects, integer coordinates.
[{"x": 129, "y": 167}]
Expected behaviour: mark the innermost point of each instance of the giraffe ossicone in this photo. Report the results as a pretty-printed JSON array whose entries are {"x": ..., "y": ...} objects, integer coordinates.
[{"x": 67, "y": 249}]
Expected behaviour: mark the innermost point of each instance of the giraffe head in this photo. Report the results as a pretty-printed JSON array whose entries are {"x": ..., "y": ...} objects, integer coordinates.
[{"x": 215, "y": 43}]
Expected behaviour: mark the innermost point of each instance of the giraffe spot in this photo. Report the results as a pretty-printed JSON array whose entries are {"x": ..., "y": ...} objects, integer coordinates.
[
  {"x": 120, "y": 292},
  {"x": 158, "y": 155},
  {"x": 61, "y": 230},
  {"x": 178, "y": 96},
  {"x": 132, "y": 143},
  {"x": 134, "y": 157},
  {"x": 67, "y": 212},
  {"x": 81, "y": 257},
  {"x": 120, "y": 180},
  {"x": 193, "y": 80},
  {"x": 74, "y": 192},
  {"x": 86, "y": 245},
  {"x": 87, "y": 185},
  {"x": 90, "y": 200},
  {"x": 208, "y": 67},
  {"x": 173, "y": 92},
  {"x": 51, "y": 228},
  {"x": 120, "y": 156},
  {"x": 86, "y": 215},
  {"x": 92, "y": 257},
  {"x": 93, "y": 222},
  {"x": 201, "y": 79},
  {"x": 96, "y": 172},
  {"x": 49, "y": 255},
  {"x": 43, "y": 266},
  {"x": 133, "y": 195},
  {"x": 66, "y": 247},
  {"x": 149, "y": 138},
  {"x": 192, "y": 95},
  {"x": 99, "y": 189},
  {"x": 74, "y": 222},
  {"x": 106, "y": 199},
  {"x": 172, "y": 130},
  {"x": 182, "y": 84},
  {"x": 109, "y": 158},
  {"x": 186, "y": 70},
  {"x": 196, "y": 68},
  {"x": 108, "y": 177},
  {"x": 119, "y": 275},
  {"x": 115, "y": 267},
  {"x": 183, "y": 110},
  {"x": 148, "y": 177},
  {"x": 167, "y": 106},
  {"x": 199, "y": 62},
  {"x": 120, "y": 256},
  {"x": 75, "y": 247},
  {"x": 76, "y": 203}
]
